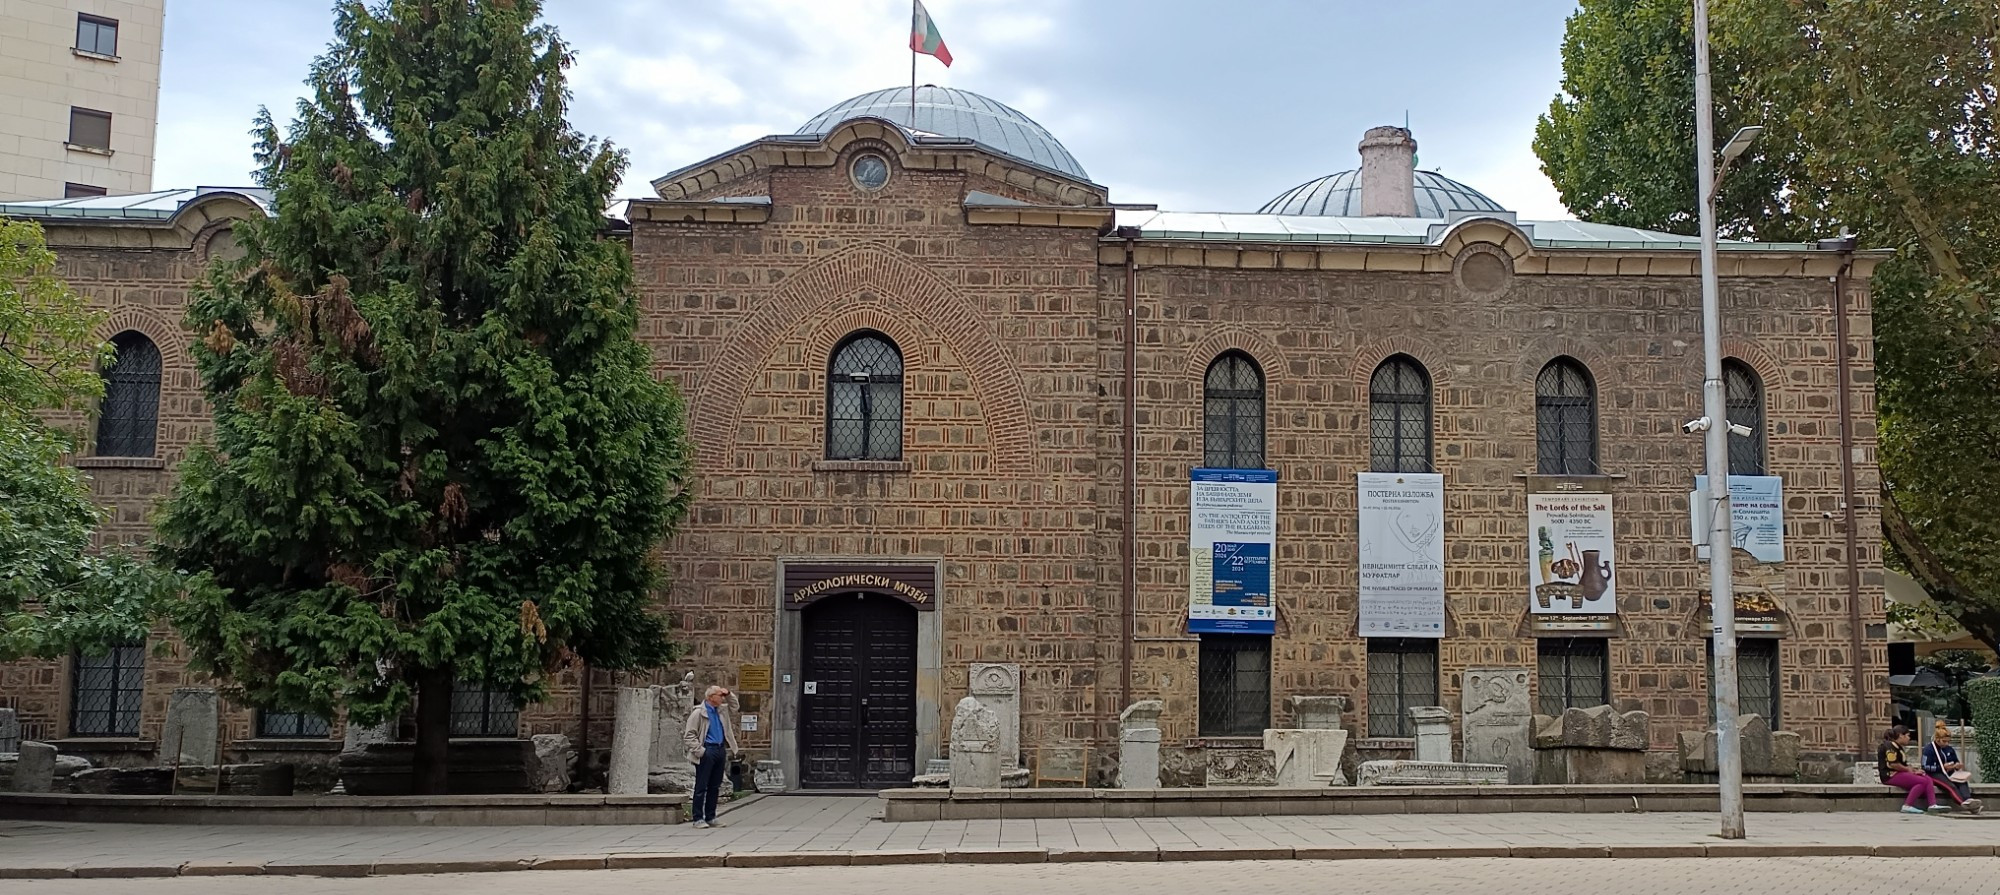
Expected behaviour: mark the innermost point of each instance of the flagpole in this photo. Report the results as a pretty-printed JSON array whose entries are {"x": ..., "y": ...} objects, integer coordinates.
[{"x": 913, "y": 70}]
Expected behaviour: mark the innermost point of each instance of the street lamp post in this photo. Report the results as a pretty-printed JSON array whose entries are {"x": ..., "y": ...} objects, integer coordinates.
[{"x": 1722, "y": 597}]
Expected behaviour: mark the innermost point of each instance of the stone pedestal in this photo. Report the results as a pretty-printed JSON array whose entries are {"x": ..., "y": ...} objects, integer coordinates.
[
  {"x": 1242, "y": 767},
  {"x": 1497, "y": 721},
  {"x": 769, "y": 776},
  {"x": 1318, "y": 712},
  {"x": 975, "y": 746},
  {"x": 633, "y": 741},
  {"x": 359, "y": 735},
  {"x": 189, "y": 735},
  {"x": 1307, "y": 758},
  {"x": 1139, "y": 745},
  {"x": 10, "y": 731},
  {"x": 1433, "y": 733},
  {"x": 553, "y": 759},
  {"x": 1597, "y": 745},
  {"x": 998, "y": 687},
  {"x": 35, "y": 769},
  {"x": 1430, "y": 773}
]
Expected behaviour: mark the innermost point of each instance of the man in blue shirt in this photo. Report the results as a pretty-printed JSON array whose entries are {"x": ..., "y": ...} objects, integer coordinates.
[{"x": 710, "y": 738}]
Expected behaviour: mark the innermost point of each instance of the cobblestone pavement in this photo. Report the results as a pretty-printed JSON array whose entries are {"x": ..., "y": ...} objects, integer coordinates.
[
  {"x": 836, "y": 830},
  {"x": 1502, "y": 876}
]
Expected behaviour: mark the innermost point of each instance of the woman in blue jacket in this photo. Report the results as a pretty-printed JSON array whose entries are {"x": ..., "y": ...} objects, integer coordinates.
[{"x": 1942, "y": 765}]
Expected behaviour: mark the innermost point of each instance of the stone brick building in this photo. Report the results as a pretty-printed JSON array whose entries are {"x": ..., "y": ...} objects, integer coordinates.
[{"x": 947, "y": 398}]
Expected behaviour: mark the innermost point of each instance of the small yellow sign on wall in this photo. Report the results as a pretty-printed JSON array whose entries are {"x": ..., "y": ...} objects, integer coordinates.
[{"x": 755, "y": 678}]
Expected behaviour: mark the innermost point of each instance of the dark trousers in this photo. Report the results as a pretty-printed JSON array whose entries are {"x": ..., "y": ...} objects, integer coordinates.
[{"x": 708, "y": 780}]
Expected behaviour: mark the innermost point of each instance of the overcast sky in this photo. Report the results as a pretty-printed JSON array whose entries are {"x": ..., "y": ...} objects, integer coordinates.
[{"x": 1193, "y": 105}]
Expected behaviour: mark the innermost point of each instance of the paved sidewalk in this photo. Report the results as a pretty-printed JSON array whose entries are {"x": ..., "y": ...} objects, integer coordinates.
[{"x": 823, "y": 830}]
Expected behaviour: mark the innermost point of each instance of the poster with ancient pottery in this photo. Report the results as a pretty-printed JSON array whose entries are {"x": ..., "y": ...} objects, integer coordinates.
[{"x": 1570, "y": 555}]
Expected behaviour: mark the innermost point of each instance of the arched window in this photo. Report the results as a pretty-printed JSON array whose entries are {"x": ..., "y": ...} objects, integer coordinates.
[
  {"x": 1399, "y": 417},
  {"x": 1744, "y": 404},
  {"x": 864, "y": 400},
  {"x": 131, "y": 413},
  {"x": 1233, "y": 408},
  {"x": 1565, "y": 420}
]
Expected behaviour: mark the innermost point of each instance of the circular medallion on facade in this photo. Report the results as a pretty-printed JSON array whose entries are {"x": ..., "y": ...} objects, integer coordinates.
[
  {"x": 870, "y": 171},
  {"x": 1484, "y": 269}
]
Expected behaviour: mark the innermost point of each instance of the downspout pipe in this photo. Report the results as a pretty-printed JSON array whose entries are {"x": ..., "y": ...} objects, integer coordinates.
[
  {"x": 1844, "y": 402},
  {"x": 1128, "y": 588}
]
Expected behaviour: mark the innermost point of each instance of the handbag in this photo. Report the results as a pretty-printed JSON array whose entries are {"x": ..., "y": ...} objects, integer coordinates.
[{"x": 1959, "y": 776}]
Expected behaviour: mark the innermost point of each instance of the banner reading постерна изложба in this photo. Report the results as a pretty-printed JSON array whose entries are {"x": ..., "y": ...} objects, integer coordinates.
[
  {"x": 1402, "y": 554},
  {"x": 1232, "y": 528}
]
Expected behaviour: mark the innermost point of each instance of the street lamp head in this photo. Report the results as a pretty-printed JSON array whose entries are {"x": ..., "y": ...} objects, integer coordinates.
[{"x": 1740, "y": 142}]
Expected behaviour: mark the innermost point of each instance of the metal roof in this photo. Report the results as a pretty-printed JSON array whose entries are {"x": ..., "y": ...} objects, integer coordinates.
[
  {"x": 160, "y": 205},
  {"x": 1323, "y": 229},
  {"x": 949, "y": 112},
  {"x": 1339, "y": 195}
]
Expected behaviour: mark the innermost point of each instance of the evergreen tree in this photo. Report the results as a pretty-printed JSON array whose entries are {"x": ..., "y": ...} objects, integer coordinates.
[{"x": 439, "y": 453}]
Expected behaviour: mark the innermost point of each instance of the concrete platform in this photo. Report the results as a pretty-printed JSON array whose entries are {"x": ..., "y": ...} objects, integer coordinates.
[
  {"x": 906, "y": 805},
  {"x": 349, "y": 811}
]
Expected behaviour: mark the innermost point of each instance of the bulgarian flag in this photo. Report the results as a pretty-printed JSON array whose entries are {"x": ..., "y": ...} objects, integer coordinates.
[{"x": 924, "y": 36}]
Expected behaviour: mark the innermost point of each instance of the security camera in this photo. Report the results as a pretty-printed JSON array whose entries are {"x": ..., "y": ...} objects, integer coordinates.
[
  {"x": 1739, "y": 430},
  {"x": 1695, "y": 425}
]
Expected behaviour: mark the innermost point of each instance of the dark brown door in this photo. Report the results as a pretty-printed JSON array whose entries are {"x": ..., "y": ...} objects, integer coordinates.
[{"x": 859, "y": 724}]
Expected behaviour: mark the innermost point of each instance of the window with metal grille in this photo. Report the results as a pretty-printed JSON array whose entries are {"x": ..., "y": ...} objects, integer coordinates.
[
  {"x": 1235, "y": 685},
  {"x": 1575, "y": 672},
  {"x": 105, "y": 692},
  {"x": 480, "y": 711},
  {"x": 1402, "y": 674},
  {"x": 1399, "y": 417},
  {"x": 1757, "y": 690},
  {"x": 1233, "y": 411},
  {"x": 1565, "y": 420},
  {"x": 131, "y": 412},
  {"x": 864, "y": 399},
  {"x": 1743, "y": 392},
  {"x": 89, "y": 127},
  {"x": 277, "y": 725},
  {"x": 96, "y": 34},
  {"x": 81, "y": 191}
]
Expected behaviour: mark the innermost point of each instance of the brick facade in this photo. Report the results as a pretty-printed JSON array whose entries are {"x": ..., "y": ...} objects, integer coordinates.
[{"x": 1010, "y": 321}]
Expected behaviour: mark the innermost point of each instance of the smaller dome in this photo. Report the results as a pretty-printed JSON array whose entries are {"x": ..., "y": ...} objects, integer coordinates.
[{"x": 1339, "y": 195}]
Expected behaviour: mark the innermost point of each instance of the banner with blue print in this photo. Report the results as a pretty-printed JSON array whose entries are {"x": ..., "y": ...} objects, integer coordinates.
[{"x": 1232, "y": 529}]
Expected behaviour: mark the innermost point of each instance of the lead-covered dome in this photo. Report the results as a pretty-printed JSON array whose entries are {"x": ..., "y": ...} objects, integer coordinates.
[
  {"x": 948, "y": 112},
  {"x": 1339, "y": 195}
]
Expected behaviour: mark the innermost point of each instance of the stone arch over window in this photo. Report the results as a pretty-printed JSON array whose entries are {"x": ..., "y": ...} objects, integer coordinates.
[
  {"x": 1743, "y": 395},
  {"x": 129, "y": 422},
  {"x": 1565, "y": 419},
  {"x": 864, "y": 399},
  {"x": 1399, "y": 416},
  {"x": 1233, "y": 413}
]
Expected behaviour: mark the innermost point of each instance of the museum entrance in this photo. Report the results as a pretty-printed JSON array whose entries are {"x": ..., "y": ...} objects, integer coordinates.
[{"x": 858, "y": 702}]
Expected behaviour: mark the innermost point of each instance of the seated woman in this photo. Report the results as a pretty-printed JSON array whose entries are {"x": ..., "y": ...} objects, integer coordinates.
[
  {"x": 1941, "y": 764},
  {"x": 1891, "y": 764}
]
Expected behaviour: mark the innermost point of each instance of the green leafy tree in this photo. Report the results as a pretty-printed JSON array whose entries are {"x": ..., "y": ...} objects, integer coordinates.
[
  {"x": 56, "y": 593},
  {"x": 439, "y": 452},
  {"x": 1880, "y": 119}
]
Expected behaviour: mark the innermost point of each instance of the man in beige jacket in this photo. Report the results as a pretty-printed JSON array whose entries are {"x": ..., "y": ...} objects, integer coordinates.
[{"x": 710, "y": 738}]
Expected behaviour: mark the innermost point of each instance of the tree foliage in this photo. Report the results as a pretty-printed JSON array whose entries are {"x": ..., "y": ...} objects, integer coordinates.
[
  {"x": 439, "y": 452},
  {"x": 1880, "y": 119},
  {"x": 56, "y": 593}
]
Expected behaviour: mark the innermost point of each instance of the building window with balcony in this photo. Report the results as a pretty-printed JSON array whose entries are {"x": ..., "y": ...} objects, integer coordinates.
[
  {"x": 89, "y": 129},
  {"x": 1233, "y": 413},
  {"x": 97, "y": 35},
  {"x": 864, "y": 399}
]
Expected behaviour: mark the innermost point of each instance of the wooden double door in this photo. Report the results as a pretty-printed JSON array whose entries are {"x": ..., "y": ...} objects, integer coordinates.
[{"x": 858, "y": 708}]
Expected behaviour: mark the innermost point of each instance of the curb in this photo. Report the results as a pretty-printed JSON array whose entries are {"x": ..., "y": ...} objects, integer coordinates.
[{"x": 690, "y": 860}]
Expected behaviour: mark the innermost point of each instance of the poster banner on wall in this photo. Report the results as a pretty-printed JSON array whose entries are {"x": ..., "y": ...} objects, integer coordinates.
[
  {"x": 1402, "y": 554},
  {"x": 1232, "y": 527},
  {"x": 1756, "y": 515},
  {"x": 1570, "y": 556}
]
